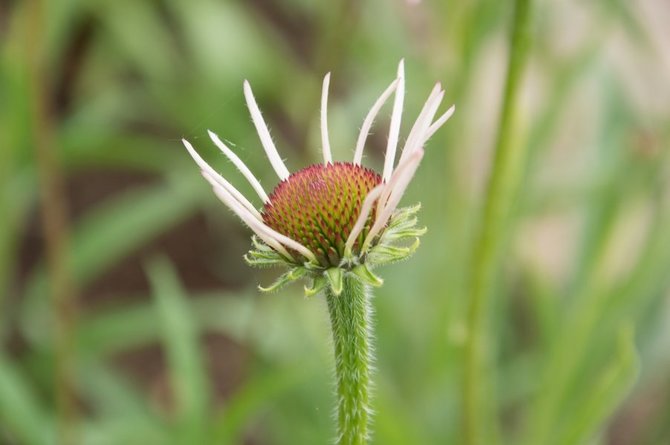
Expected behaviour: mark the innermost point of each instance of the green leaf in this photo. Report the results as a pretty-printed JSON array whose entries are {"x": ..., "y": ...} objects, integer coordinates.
[
  {"x": 107, "y": 234},
  {"x": 123, "y": 415},
  {"x": 181, "y": 340},
  {"x": 607, "y": 393},
  {"x": 107, "y": 332},
  {"x": 259, "y": 391},
  {"x": 20, "y": 413}
]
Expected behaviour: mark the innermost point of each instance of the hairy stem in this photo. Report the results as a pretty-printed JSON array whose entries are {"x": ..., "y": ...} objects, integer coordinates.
[
  {"x": 479, "y": 426},
  {"x": 350, "y": 317}
]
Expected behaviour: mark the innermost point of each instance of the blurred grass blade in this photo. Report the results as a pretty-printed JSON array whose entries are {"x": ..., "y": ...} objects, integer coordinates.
[
  {"x": 20, "y": 413},
  {"x": 607, "y": 393},
  {"x": 502, "y": 192},
  {"x": 122, "y": 414},
  {"x": 180, "y": 335},
  {"x": 107, "y": 234},
  {"x": 259, "y": 390},
  {"x": 124, "y": 328}
]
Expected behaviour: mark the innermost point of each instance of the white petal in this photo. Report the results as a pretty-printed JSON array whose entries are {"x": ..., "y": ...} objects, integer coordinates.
[
  {"x": 394, "y": 189},
  {"x": 266, "y": 233},
  {"x": 264, "y": 134},
  {"x": 369, "y": 119},
  {"x": 415, "y": 138},
  {"x": 394, "y": 131},
  {"x": 362, "y": 217},
  {"x": 325, "y": 142},
  {"x": 247, "y": 218},
  {"x": 205, "y": 167},
  {"x": 439, "y": 122},
  {"x": 241, "y": 166}
]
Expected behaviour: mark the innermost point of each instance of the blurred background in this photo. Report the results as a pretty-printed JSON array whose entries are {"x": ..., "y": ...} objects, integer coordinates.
[{"x": 127, "y": 315}]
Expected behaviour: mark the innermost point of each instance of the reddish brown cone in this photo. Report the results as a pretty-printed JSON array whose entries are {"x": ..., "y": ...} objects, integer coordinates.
[{"x": 318, "y": 207}]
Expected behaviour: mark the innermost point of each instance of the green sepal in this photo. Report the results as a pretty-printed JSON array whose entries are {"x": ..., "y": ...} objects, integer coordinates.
[
  {"x": 335, "y": 277},
  {"x": 399, "y": 234},
  {"x": 318, "y": 284},
  {"x": 366, "y": 276},
  {"x": 262, "y": 259},
  {"x": 386, "y": 254},
  {"x": 262, "y": 255},
  {"x": 290, "y": 276},
  {"x": 403, "y": 214}
]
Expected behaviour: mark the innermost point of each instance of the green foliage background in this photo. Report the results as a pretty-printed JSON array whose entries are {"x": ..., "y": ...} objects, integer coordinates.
[{"x": 128, "y": 317}]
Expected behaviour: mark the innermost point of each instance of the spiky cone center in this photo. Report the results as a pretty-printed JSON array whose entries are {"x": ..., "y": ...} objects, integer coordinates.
[{"x": 319, "y": 205}]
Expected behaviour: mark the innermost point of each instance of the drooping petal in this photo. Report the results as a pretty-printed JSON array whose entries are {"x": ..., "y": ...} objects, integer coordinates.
[
  {"x": 204, "y": 166},
  {"x": 252, "y": 222},
  {"x": 241, "y": 166},
  {"x": 362, "y": 217},
  {"x": 369, "y": 119},
  {"x": 268, "y": 235},
  {"x": 325, "y": 141},
  {"x": 392, "y": 193},
  {"x": 264, "y": 134},
  {"x": 394, "y": 131}
]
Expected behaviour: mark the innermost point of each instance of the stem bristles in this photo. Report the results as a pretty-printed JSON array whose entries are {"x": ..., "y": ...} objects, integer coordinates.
[{"x": 350, "y": 317}]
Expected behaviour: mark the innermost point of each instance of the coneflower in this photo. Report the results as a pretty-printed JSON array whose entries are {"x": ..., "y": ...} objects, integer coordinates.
[{"x": 334, "y": 223}]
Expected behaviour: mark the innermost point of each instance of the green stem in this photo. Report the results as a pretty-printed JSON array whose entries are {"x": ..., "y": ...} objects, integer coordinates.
[
  {"x": 479, "y": 426},
  {"x": 55, "y": 221},
  {"x": 350, "y": 317}
]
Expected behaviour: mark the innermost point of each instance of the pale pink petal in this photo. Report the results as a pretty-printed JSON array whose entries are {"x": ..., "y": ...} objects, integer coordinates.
[
  {"x": 264, "y": 134},
  {"x": 241, "y": 166},
  {"x": 394, "y": 189},
  {"x": 258, "y": 226},
  {"x": 252, "y": 222},
  {"x": 325, "y": 141},
  {"x": 205, "y": 167},
  {"x": 369, "y": 119},
  {"x": 362, "y": 217},
  {"x": 414, "y": 140},
  {"x": 394, "y": 131},
  {"x": 438, "y": 123}
]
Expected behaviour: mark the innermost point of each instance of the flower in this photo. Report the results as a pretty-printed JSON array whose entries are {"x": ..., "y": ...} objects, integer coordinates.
[{"x": 337, "y": 217}]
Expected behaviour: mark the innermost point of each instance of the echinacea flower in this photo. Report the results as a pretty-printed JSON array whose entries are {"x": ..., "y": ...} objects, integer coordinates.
[
  {"x": 336, "y": 217},
  {"x": 334, "y": 222}
]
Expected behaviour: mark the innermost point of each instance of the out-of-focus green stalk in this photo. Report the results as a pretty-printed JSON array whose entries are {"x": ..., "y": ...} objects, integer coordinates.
[
  {"x": 502, "y": 191},
  {"x": 54, "y": 222}
]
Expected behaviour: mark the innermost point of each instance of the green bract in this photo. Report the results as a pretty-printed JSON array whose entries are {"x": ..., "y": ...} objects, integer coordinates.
[{"x": 396, "y": 242}]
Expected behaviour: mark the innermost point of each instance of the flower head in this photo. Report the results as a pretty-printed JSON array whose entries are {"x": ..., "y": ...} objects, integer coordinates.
[{"x": 336, "y": 217}]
